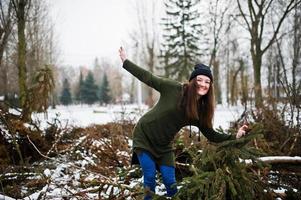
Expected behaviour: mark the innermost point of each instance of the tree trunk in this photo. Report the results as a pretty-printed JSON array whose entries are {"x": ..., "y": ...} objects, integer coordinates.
[
  {"x": 234, "y": 74},
  {"x": 132, "y": 90},
  {"x": 244, "y": 84},
  {"x": 21, "y": 21},
  {"x": 216, "y": 82},
  {"x": 5, "y": 78},
  {"x": 5, "y": 31},
  {"x": 296, "y": 54},
  {"x": 281, "y": 159},
  {"x": 151, "y": 66},
  {"x": 228, "y": 75},
  {"x": 233, "y": 88},
  {"x": 277, "y": 81},
  {"x": 257, "y": 60},
  {"x": 254, "y": 17}
]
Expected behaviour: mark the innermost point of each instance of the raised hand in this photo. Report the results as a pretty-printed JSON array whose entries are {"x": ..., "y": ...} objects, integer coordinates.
[{"x": 122, "y": 54}]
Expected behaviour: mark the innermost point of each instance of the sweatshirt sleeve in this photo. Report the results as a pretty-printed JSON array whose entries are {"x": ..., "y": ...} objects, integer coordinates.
[
  {"x": 143, "y": 75},
  {"x": 214, "y": 136}
]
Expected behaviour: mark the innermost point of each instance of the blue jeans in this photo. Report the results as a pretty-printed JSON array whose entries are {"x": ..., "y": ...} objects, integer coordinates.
[{"x": 148, "y": 166}]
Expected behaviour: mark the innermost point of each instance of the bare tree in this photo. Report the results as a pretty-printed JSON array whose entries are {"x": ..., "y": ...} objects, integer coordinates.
[
  {"x": 254, "y": 16},
  {"x": 234, "y": 73},
  {"x": 235, "y": 67},
  {"x": 35, "y": 47},
  {"x": 217, "y": 16},
  {"x": 296, "y": 84},
  {"x": 6, "y": 25},
  {"x": 115, "y": 84},
  {"x": 244, "y": 83},
  {"x": 21, "y": 8},
  {"x": 283, "y": 62},
  {"x": 147, "y": 32},
  {"x": 228, "y": 51},
  {"x": 217, "y": 13},
  {"x": 291, "y": 83},
  {"x": 37, "y": 36}
]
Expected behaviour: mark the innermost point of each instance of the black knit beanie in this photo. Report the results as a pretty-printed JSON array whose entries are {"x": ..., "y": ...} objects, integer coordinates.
[{"x": 201, "y": 69}]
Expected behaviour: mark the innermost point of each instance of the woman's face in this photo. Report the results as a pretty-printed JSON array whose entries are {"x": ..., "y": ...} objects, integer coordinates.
[{"x": 203, "y": 84}]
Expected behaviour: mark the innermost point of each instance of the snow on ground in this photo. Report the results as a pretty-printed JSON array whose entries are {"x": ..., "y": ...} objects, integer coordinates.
[
  {"x": 85, "y": 115},
  {"x": 224, "y": 115},
  {"x": 2, "y": 197}
]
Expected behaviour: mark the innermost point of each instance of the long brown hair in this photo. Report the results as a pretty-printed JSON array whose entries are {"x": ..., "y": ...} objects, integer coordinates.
[{"x": 198, "y": 108}]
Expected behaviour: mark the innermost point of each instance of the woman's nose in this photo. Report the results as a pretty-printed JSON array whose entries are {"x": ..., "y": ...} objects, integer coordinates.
[{"x": 202, "y": 83}]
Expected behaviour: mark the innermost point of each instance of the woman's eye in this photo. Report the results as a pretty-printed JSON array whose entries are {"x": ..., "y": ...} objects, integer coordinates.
[{"x": 199, "y": 81}]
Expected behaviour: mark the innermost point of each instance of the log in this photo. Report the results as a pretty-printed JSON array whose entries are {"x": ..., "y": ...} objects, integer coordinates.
[
  {"x": 281, "y": 159},
  {"x": 278, "y": 160}
]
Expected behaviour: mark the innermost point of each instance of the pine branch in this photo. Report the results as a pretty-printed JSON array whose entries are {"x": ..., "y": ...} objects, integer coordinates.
[{"x": 219, "y": 172}]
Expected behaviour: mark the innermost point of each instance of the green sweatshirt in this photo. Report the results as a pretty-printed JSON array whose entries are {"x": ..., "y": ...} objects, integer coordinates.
[{"x": 156, "y": 129}]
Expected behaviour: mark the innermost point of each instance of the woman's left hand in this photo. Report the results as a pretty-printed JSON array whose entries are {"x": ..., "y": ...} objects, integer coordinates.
[{"x": 241, "y": 131}]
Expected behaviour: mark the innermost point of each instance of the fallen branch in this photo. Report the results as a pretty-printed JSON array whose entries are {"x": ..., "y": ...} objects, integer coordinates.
[
  {"x": 108, "y": 180},
  {"x": 35, "y": 147},
  {"x": 266, "y": 159},
  {"x": 278, "y": 160},
  {"x": 281, "y": 159}
]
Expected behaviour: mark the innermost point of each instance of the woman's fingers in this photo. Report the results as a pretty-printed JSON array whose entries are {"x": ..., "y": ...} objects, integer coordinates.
[
  {"x": 242, "y": 131},
  {"x": 245, "y": 127},
  {"x": 122, "y": 54},
  {"x": 240, "y": 134}
]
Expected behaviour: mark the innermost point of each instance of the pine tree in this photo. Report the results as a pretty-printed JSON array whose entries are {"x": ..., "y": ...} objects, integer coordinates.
[
  {"x": 89, "y": 91},
  {"x": 66, "y": 95},
  {"x": 104, "y": 95},
  {"x": 220, "y": 174},
  {"x": 80, "y": 88},
  {"x": 181, "y": 34}
]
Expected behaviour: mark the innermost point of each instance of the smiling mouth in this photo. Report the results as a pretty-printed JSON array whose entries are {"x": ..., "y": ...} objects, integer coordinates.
[{"x": 202, "y": 88}]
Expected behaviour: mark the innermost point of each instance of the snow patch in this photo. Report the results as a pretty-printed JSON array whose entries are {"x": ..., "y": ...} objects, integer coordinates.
[{"x": 47, "y": 173}]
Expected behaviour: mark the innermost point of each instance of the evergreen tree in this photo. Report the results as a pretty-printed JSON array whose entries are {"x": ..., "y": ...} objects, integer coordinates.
[
  {"x": 89, "y": 91},
  {"x": 220, "y": 173},
  {"x": 66, "y": 95},
  {"x": 181, "y": 34},
  {"x": 104, "y": 96},
  {"x": 80, "y": 88}
]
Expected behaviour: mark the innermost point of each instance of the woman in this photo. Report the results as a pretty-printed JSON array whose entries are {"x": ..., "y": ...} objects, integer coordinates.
[{"x": 179, "y": 105}]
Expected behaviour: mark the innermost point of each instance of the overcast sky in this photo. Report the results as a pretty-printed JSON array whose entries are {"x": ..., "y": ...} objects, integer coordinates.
[{"x": 87, "y": 29}]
